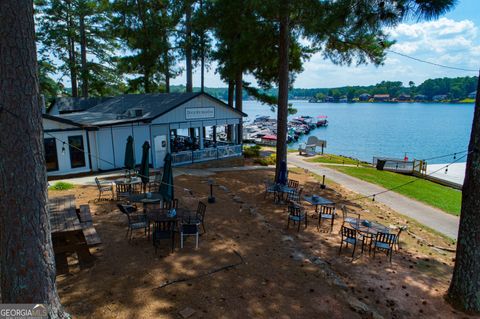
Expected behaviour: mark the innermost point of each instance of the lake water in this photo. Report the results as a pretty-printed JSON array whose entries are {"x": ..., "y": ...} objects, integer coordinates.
[{"x": 364, "y": 130}]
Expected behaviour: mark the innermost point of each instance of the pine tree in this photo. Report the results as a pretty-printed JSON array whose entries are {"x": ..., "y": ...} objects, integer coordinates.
[{"x": 27, "y": 266}]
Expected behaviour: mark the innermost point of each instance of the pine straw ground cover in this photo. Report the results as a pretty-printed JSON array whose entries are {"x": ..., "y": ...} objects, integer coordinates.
[{"x": 281, "y": 273}]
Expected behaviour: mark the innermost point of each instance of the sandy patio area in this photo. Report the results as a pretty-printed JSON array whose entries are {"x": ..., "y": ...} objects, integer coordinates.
[{"x": 274, "y": 273}]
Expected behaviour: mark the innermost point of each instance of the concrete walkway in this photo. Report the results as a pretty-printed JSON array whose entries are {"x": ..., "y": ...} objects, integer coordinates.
[{"x": 427, "y": 215}]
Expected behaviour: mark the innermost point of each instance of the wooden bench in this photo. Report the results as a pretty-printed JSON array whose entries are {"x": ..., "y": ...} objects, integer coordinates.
[
  {"x": 84, "y": 215},
  {"x": 91, "y": 236}
]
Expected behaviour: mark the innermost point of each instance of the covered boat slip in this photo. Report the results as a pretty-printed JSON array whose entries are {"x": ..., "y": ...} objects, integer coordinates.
[{"x": 193, "y": 127}]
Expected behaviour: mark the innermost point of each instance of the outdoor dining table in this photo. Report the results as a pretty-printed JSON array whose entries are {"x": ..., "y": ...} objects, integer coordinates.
[
  {"x": 146, "y": 198},
  {"x": 161, "y": 214},
  {"x": 316, "y": 201},
  {"x": 368, "y": 229},
  {"x": 279, "y": 190},
  {"x": 128, "y": 184}
]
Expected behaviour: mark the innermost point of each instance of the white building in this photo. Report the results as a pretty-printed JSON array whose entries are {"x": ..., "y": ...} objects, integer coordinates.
[{"x": 191, "y": 126}]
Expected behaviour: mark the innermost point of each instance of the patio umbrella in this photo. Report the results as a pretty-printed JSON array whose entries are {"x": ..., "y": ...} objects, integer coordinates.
[
  {"x": 166, "y": 187},
  {"x": 282, "y": 174},
  {"x": 129, "y": 154},
  {"x": 144, "y": 167}
]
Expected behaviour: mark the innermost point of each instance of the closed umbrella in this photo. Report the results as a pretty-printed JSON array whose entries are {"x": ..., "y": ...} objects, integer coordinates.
[
  {"x": 282, "y": 174},
  {"x": 129, "y": 154},
  {"x": 166, "y": 187},
  {"x": 144, "y": 167}
]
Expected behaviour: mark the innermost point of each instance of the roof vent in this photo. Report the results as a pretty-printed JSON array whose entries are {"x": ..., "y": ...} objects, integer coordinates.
[{"x": 134, "y": 113}]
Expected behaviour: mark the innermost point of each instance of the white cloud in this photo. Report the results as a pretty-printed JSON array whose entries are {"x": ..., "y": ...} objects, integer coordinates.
[{"x": 444, "y": 41}]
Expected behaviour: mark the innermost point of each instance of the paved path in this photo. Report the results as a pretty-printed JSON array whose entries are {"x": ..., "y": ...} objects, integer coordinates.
[{"x": 432, "y": 217}]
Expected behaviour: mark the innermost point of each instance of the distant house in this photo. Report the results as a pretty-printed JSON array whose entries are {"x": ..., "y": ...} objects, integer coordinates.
[
  {"x": 439, "y": 97},
  {"x": 381, "y": 97},
  {"x": 364, "y": 97},
  {"x": 420, "y": 98},
  {"x": 404, "y": 97},
  {"x": 176, "y": 123},
  {"x": 343, "y": 99},
  {"x": 472, "y": 95},
  {"x": 66, "y": 104},
  {"x": 329, "y": 99}
]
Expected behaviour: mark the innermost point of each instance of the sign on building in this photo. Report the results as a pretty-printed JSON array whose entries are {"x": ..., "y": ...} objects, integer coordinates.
[{"x": 199, "y": 113}]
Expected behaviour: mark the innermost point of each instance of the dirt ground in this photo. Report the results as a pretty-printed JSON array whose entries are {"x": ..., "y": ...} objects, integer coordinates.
[{"x": 278, "y": 273}]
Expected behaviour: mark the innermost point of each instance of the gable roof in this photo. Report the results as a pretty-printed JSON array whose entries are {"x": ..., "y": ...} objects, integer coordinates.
[{"x": 115, "y": 110}]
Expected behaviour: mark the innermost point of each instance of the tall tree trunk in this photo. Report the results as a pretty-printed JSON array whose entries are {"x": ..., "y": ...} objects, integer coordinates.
[
  {"x": 27, "y": 267},
  {"x": 167, "y": 70},
  {"x": 146, "y": 81},
  {"x": 71, "y": 53},
  {"x": 202, "y": 52},
  {"x": 239, "y": 101},
  {"x": 83, "y": 52},
  {"x": 231, "y": 90},
  {"x": 282, "y": 110},
  {"x": 188, "y": 45},
  {"x": 464, "y": 291}
]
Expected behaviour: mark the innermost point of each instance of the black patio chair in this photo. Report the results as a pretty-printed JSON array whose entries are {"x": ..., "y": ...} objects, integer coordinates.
[
  {"x": 293, "y": 184},
  {"x": 297, "y": 214},
  {"x": 326, "y": 212},
  {"x": 349, "y": 236},
  {"x": 269, "y": 189},
  {"x": 200, "y": 214},
  {"x": 135, "y": 220},
  {"x": 189, "y": 229},
  {"x": 154, "y": 184},
  {"x": 164, "y": 230},
  {"x": 384, "y": 242},
  {"x": 170, "y": 204},
  {"x": 103, "y": 186},
  {"x": 349, "y": 217},
  {"x": 294, "y": 196},
  {"x": 397, "y": 238}
]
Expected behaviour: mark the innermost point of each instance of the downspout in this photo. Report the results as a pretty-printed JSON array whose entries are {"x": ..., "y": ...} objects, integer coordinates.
[{"x": 88, "y": 149}]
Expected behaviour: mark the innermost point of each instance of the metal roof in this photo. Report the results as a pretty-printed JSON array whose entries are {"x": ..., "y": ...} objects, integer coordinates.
[{"x": 122, "y": 109}]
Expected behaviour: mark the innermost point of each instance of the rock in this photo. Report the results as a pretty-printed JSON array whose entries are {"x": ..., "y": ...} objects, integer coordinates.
[
  {"x": 186, "y": 312},
  {"x": 287, "y": 238},
  {"x": 223, "y": 188}
]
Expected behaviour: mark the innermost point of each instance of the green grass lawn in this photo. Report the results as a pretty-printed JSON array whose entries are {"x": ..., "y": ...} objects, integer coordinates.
[
  {"x": 445, "y": 198},
  {"x": 334, "y": 159}
]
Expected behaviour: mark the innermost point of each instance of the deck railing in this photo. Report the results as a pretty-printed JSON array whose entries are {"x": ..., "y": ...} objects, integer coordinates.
[{"x": 207, "y": 154}]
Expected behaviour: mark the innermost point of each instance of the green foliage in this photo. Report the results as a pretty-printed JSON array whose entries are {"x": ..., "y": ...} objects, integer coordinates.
[
  {"x": 267, "y": 160},
  {"x": 59, "y": 35},
  {"x": 445, "y": 198},
  {"x": 61, "y": 186},
  {"x": 335, "y": 159},
  {"x": 251, "y": 151}
]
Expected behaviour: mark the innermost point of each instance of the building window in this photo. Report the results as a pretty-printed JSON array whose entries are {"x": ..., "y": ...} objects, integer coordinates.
[
  {"x": 77, "y": 157},
  {"x": 51, "y": 158}
]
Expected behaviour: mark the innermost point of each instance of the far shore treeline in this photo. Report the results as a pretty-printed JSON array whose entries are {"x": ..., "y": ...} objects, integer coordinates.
[{"x": 459, "y": 89}]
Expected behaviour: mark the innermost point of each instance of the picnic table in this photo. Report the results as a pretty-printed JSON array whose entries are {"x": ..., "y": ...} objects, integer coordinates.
[
  {"x": 72, "y": 230},
  {"x": 318, "y": 201}
]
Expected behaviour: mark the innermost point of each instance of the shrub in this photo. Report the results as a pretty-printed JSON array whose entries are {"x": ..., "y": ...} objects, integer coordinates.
[
  {"x": 268, "y": 160},
  {"x": 251, "y": 151},
  {"x": 61, "y": 186}
]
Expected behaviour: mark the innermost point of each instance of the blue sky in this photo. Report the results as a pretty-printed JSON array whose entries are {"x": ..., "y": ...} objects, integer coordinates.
[{"x": 452, "y": 40}]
